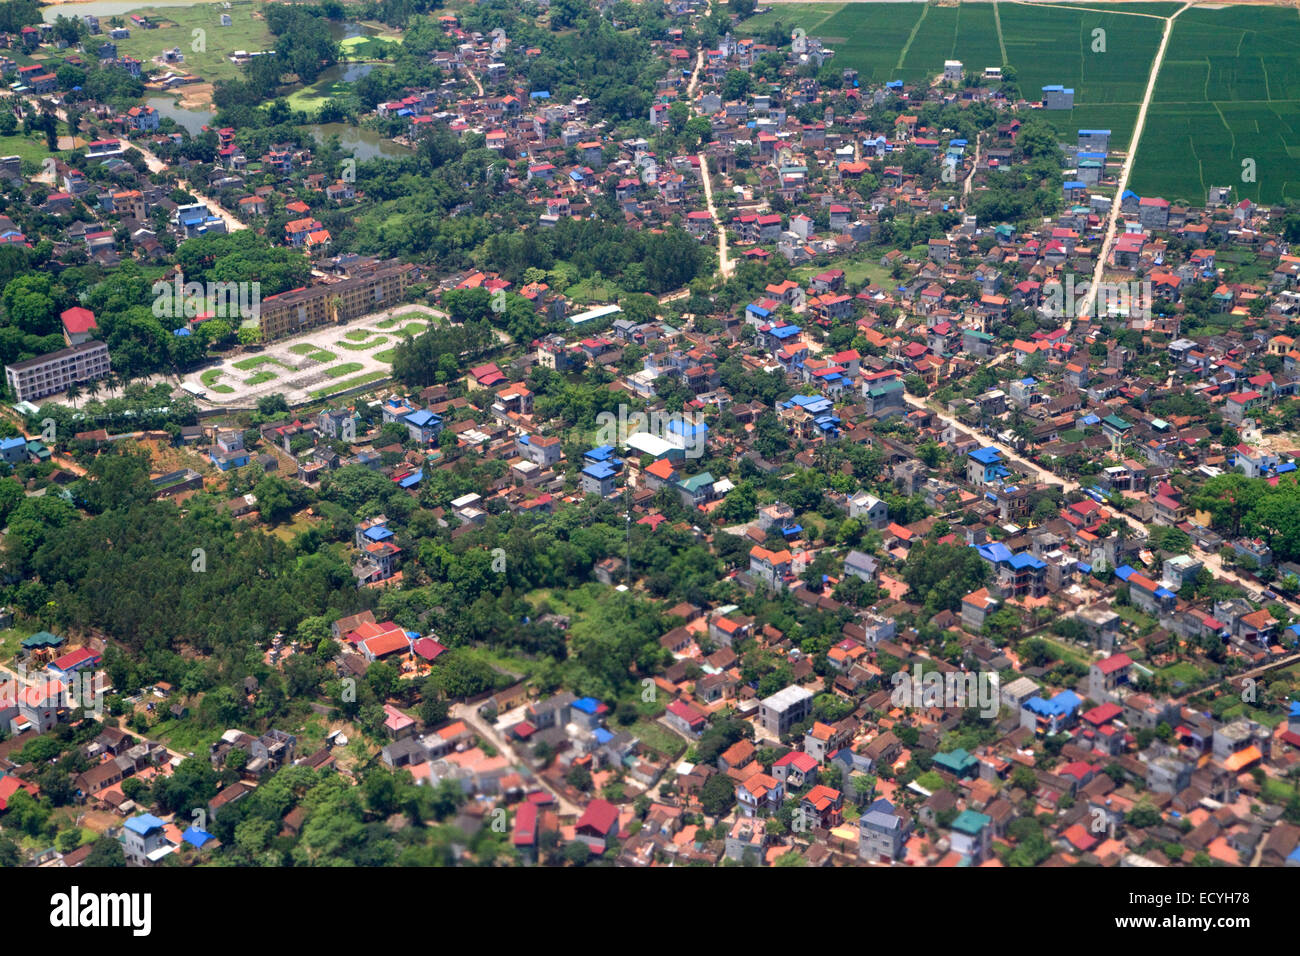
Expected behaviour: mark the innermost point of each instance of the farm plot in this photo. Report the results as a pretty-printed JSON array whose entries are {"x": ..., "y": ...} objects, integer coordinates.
[
  {"x": 1226, "y": 110},
  {"x": 967, "y": 33}
]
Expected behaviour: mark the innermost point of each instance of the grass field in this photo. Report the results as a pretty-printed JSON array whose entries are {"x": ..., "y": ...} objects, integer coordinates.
[
  {"x": 307, "y": 350},
  {"x": 347, "y": 368},
  {"x": 658, "y": 737},
  {"x": 248, "y": 364},
  {"x": 1228, "y": 92},
  {"x": 421, "y": 321},
  {"x": 261, "y": 378},
  {"x": 31, "y": 149},
  {"x": 212, "y": 63},
  {"x": 349, "y": 383},
  {"x": 363, "y": 346}
]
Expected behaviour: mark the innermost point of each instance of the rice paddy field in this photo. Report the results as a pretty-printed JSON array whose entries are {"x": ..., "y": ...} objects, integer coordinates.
[{"x": 1227, "y": 91}]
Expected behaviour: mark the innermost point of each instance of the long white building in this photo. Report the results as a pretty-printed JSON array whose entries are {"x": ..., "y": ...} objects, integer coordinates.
[{"x": 50, "y": 374}]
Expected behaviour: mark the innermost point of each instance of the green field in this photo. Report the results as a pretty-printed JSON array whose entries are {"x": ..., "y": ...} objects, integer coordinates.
[
  {"x": 212, "y": 62},
  {"x": 1228, "y": 92},
  {"x": 658, "y": 737},
  {"x": 307, "y": 350},
  {"x": 421, "y": 321},
  {"x": 349, "y": 383},
  {"x": 248, "y": 364},
  {"x": 347, "y": 368},
  {"x": 1228, "y": 89},
  {"x": 363, "y": 346},
  {"x": 1045, "y": 45}
]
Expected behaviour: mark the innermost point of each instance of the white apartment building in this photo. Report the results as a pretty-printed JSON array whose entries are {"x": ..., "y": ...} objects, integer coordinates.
[{"x": 50, "y": 374}]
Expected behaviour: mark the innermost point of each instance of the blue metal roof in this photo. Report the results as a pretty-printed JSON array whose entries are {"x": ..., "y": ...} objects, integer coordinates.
[
  {"x": 994, "y": 551},
  {"x": 987, "y": 456},
  {"x": 143, "y": 824},
  {"x": 196, "y": 837},
  {"x": 422, "y": 417},
  {"x": 1063, "y": 703},
  {"x": 588, "y": 705}
]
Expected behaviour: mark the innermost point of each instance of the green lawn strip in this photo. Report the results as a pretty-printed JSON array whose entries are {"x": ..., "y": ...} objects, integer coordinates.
[
  {"x": 349, "y": 384},
  {"x": 248, "y": 364},
  {"x": 363, "y": 346},
  {"x": 389, "y": 323},
  {"x": 347, "y": 368}
]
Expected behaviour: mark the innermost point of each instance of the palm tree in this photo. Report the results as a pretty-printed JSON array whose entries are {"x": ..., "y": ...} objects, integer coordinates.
[
  {"x": 94, "y": 388},
  {"x": 73, "y": 393}
]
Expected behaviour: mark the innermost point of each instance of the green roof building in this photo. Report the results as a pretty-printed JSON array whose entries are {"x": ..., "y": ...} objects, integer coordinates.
[{"x": 960, "y": 763}]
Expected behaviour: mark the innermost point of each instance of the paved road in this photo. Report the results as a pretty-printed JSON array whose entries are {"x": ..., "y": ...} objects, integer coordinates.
[
  {"x": 477, "y": 84},
  {"x": 469, "y": 714},
  {"x": 725, "y": 266},
  {"x": 152, "y": 162},
  {"x": 1213, "y": 563},
  {"x": 1112, "y": 221}
]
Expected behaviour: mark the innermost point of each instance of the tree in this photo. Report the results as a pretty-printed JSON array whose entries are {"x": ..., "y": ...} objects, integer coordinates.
[
  {"x": 106, "y": 852},
  {"x": 718, "y": 795},
  {"x": 277, "y": 499},
  {"x": 1144, "y": 815},
  {"x": 940, "y": 575},
  {"x": 579, "y": 777},
  {"x": 577, "y": 853},
  {"x": 1023, "y": 778},
  {"x": 11, "y": 496}
]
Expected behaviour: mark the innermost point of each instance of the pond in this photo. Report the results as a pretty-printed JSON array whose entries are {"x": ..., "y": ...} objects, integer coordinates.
[
  {"x": 192, "y": 120},
  {"x": 342, "y": 73},
  {"x": 364, "y": 144}
]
